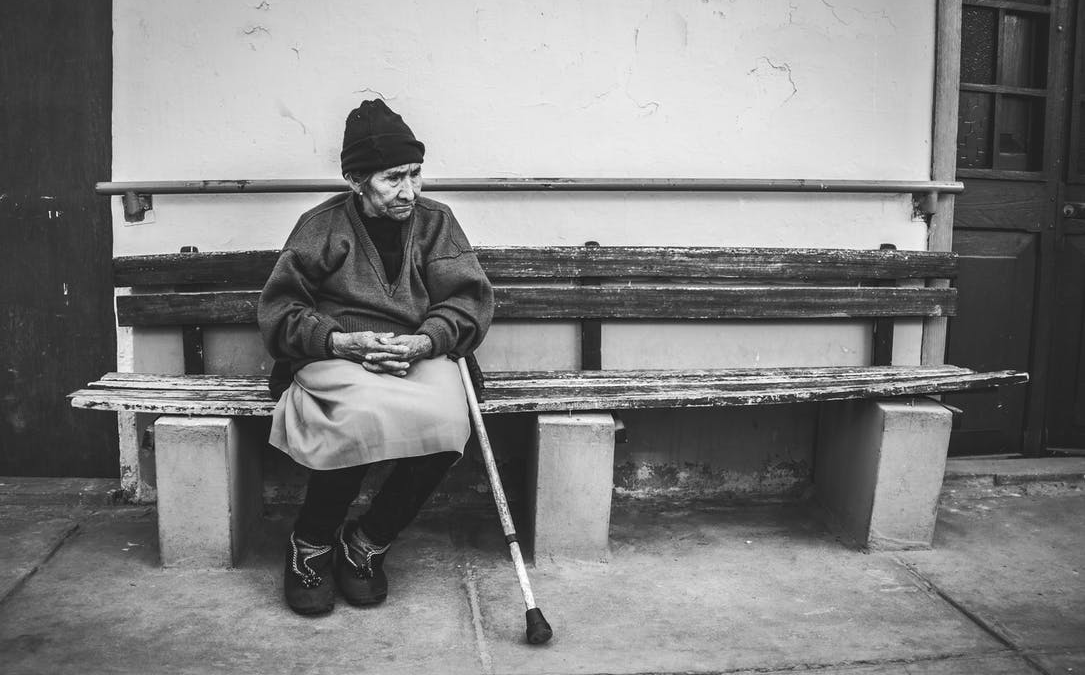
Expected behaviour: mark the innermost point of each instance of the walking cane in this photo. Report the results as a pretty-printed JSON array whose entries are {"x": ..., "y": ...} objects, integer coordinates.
[{"x": 538, "y": 630}]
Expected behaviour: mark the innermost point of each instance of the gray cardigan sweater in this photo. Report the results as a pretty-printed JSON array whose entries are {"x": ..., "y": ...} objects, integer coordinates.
[{"x": 329, "y": 277}]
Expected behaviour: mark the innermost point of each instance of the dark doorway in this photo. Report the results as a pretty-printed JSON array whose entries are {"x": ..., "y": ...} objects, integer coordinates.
[
  {"x": 1022, "y": 284},
  {"x": 56, "y": 299}
]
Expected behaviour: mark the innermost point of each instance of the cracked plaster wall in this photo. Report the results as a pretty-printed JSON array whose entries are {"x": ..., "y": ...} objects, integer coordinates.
[{"x": 216, "y": 89}]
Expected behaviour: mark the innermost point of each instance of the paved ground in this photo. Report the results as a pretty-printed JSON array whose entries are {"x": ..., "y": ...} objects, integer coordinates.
[{"x": 706, "y": 589}]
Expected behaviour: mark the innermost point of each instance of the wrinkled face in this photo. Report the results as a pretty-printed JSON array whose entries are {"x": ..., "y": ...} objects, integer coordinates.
[{"x": 389, "y": 193}]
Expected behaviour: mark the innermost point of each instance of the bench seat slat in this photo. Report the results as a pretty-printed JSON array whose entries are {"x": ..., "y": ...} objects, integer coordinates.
[
  {"x": 497, "y": 382},
  {"x": 536, "y": 400},
  {"x": 594, "y": 302},
  {"x": 548, "y": 262},
  {"x": 538, "y": 394},
  {"x": 496, "y": 379},
  {"x": 172, "y": 402}
]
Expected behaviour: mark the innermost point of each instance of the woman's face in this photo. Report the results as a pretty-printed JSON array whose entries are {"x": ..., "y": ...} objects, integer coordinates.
[{"x": 391, "y": 193}]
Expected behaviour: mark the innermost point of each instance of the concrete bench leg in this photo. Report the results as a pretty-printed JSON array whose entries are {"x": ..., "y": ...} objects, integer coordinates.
[
  {"x": 570, "y": 486},
  {"x": 879, "y": 468},
  {"x": 209, "y": 490}
]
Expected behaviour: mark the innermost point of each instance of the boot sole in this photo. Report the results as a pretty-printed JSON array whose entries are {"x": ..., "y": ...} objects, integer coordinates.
[
  {"x": 364, "y": 602},
  {"x": 314, "y": 611}
]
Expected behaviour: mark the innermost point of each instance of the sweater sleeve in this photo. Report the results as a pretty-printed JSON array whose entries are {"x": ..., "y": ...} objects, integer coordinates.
[
  {"x": 290, "y": 324},
  {"x": 461, "y": 297}
]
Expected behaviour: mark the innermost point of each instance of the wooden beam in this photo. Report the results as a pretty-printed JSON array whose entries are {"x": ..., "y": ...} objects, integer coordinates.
[
  {"x": 594, "y": 302},
  {"x": 947, "y": 78},
  {"x": 548, "y": 262},
  {"x": 601, "y": 390}
]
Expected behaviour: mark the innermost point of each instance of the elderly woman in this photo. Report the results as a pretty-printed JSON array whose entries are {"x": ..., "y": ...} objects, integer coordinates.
[{"x": 373, "y": 292}]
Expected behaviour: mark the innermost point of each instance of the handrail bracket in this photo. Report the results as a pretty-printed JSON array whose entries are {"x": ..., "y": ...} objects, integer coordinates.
[
  {"x": 136, "y": 205},
  {"x": 925, "y": 203}
]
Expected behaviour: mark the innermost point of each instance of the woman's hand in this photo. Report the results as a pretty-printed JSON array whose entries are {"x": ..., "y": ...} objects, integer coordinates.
[
  {"x": 370, "y": 350},
  {"x": 381, "y": 352},
  {"x": 418, "y": 346}
]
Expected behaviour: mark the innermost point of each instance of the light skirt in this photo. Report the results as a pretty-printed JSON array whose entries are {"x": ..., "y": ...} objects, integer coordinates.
[{"x": 338, "y": 414}]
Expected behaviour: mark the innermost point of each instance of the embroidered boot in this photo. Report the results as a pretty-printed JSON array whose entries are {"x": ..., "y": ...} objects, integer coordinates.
[
  {"x": 307, "y": 577},
  {"x": 359, "y": 566}
]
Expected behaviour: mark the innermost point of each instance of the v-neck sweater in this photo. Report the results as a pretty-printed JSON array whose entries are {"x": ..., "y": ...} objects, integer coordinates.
[
  {"x": 387, "y": 237},
  {"x": 329, "y": 277}
]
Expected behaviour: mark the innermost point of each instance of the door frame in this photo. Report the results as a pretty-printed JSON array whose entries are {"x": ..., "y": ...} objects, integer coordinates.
[{"x": 943, "y": 167}]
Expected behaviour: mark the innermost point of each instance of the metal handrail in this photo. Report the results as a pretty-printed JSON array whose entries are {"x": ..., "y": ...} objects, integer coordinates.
[
  {"x": 176, "y": 187},
  {"x": 137, "y": 194}
]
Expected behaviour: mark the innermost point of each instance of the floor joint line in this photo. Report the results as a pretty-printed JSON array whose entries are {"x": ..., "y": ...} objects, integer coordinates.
[
  {"x": 975, "y": 618},
  {"x": 53, "y": 548},
  {"x": 470, "y": 587}
]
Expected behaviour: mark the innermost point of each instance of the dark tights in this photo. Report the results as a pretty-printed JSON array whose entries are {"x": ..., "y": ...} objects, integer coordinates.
[{"x": 330, "y": 493}]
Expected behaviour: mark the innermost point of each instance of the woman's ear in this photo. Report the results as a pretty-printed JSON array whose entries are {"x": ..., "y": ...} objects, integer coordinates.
[{"x": 355, "y": 186}]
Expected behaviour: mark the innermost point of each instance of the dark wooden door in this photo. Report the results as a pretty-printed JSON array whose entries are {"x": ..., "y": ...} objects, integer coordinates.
[
  {"x": 1066, "y": 400},
  {"x": 56, "y": 301},
  {"x": 1019, "y": 269}
]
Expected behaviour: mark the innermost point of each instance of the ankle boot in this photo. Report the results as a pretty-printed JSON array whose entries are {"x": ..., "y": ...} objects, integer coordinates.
[
  {"x": 359, "y": 566},
  {"x": 307, "y": 577}
]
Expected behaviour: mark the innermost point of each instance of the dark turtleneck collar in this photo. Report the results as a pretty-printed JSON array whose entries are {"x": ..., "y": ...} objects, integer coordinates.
[{"x": 387, "y": 237}]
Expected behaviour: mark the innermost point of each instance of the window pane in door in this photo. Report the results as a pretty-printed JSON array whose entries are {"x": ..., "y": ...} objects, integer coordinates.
[
  {"x": 979, "y": 31},
  {"x": 974, "y": 130},
  {"x": 1024, "y": 51},
  {"x": 1021, "y": 134}
]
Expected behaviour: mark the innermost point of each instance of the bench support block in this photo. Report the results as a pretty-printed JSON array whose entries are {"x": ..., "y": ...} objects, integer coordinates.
[
  {"x": 209, "y": 490},
  {"x": 570, "y": 486},
  {"x": 879, "y": 467}
]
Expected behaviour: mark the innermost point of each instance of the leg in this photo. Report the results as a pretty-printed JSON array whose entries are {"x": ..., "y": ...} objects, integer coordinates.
[
  {"x": 571, "y": 484},
  {"x": 362, "y": 545},
  {"x": 408, "y": 486},
  {"x": 328, "y": 496},
  {"x": 307, "y": 574},
  {"x": 209, "y": 490},
  {"x": 879, "y": 469}
]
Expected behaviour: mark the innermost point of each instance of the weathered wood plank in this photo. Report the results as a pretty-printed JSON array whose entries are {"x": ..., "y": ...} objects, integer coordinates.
[
  {"x": 540, "y": 396},
  {"x": 99, "y": 399},
  {"x": 594, "y": 302},
  {"x": 174, "y": 309},
  {"x": 718, "y": 302},
  {"x": 251, "y": 268},
  {"x": 498, "y": 380},
  {"x": 557, "y": 387},
  {"x": 243, "y": 268},
  {"x": 512, "y": 385},
  {"x": 715, "y": 398},
  {"x": 714, "y": 263}
]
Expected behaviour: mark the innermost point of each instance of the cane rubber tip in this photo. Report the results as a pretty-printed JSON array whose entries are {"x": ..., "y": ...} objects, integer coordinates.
[{"x": 538, "y": 630}]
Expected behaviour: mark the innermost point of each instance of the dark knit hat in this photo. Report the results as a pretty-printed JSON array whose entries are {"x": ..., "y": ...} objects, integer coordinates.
[{"x": 376, "y": 138}]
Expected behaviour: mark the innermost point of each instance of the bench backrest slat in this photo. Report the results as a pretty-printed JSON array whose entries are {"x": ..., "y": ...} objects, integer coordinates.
[
  {"x": 594, "y": 302},
  {"x": 548, "y": 262}
]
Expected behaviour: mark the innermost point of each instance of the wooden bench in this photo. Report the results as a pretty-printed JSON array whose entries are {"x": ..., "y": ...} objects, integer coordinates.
[{"x": 881, "y": 443}]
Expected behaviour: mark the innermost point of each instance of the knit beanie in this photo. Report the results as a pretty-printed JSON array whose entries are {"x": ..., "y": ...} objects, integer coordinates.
[{"x": 376, "y": 138}]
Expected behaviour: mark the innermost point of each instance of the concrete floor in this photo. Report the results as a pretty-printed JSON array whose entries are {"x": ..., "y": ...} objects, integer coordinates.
[{"x": 705, "y": 589}]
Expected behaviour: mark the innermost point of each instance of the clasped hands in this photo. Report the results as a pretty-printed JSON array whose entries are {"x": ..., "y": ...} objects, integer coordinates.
[{"x": 381, "y": 352}]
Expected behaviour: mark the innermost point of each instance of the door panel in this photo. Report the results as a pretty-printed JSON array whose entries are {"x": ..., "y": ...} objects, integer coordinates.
[
  {"x": 1002, "y": 204},
  {"x": 1000, "y": 267},
  {"x": 1066, "y": 410},
  {"x": 56, "y": 299},
  {"x": 1012, "y": 159},
  {"x": 1065, "y": 421}
]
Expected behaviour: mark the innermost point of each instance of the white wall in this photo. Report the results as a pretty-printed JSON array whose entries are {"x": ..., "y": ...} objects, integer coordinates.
[
  {"x": 214, "y": 89},
  {"x": 223, "y": 89}
]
